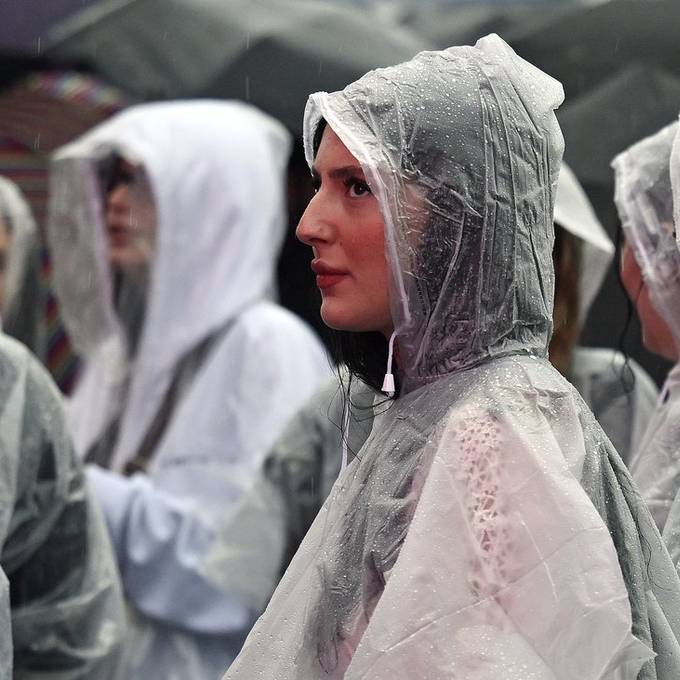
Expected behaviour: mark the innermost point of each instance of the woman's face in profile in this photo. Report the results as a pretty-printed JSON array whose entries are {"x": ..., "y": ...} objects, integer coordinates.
[
  {"x": 345, "y": 229},
  {"x": 656, "y": 336},
  {"x": 130, "y": 217}
]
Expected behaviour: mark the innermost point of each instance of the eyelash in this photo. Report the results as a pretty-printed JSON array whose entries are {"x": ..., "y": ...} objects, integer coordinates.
[
  {"x": 354, "y": 182},
  {"x": 349, "y": 183}
]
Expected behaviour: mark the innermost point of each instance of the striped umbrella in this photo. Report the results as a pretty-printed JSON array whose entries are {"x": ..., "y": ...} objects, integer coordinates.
[{"x": 37, "y": 115}]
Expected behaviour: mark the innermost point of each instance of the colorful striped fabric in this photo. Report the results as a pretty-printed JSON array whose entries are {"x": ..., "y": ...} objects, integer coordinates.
[{"x": 38, "y": 115}]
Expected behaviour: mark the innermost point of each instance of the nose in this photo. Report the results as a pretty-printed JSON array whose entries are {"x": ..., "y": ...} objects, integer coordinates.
[
  {"x": 118, "y": 203},
  {"x": 315, "y": 225}
]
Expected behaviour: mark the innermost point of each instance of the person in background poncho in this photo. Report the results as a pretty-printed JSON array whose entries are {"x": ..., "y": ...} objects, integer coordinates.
[
  {"x": 67, "y": 612},
  {"x": 67, "y": 616},
  {"x": 620, "y": 394},
  {"x": 165, "y": 223},
  {"x": 22, "y": 304},
  {"x": 487, "y": 528},
  {"x": 650, "y": 270}
]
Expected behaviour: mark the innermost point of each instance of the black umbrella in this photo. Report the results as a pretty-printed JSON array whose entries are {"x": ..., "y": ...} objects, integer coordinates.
[
  {"x": 464, "y": 25},
  {"x": 635, "y": 103},
  {"x": 270, "y": 52},
  {"x": 584, "y": 45}
]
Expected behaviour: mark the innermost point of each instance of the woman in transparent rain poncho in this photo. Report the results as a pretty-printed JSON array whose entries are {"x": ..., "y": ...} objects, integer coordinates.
[
  {"x": 263, "y": 533},
  {"x": 487, "y": 528},
  {"x": 650, "y": 269},
  {"x": 190, "y": 370},
  {"x": 67, "y": 617}
]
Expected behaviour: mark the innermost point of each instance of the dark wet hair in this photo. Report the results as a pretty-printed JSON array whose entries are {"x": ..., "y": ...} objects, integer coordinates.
[
  {"x": 364, "y": 354},
  {"x": 627, "y": 376},
  {"x": 567, "y": 261},
  {"x": 112, "y": 172}
]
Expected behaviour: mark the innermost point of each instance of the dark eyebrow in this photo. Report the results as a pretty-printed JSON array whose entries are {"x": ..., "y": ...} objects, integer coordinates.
[{"x": 344, "y": 172}]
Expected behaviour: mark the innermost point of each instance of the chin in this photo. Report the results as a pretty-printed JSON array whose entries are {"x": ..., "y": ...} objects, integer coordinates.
[
  {"x": 343, "y": 319},
  {"x": 125, "y": 259}
]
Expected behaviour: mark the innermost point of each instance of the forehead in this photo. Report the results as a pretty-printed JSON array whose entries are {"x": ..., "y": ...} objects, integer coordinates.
[{"x": 333, "y": 153}]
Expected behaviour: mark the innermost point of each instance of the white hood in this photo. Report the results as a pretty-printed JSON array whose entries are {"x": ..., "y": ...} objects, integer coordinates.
[
  {"x": 216, "y": 172},
  {"x": 16, "y": 212},
  {"x": 575, "y": 213},
  {"x": 644, "y": 199}
]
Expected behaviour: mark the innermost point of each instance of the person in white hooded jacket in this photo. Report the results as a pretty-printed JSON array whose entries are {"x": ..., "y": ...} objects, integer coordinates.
[
  {"x": 650, "y": 269},
  {"x": 487, "y": 528},
  {"x": 165, "y": 224}
]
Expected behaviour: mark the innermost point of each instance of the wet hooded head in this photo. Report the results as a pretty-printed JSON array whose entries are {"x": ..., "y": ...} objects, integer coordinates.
[
  {"x": 644, "y": 199},
  {"x": 216, "y": 176},
  {"x": 462, "y": 150}
]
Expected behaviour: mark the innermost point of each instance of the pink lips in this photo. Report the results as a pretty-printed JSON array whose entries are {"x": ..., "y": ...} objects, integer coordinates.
[
  {"x": 118, "y": 236},
  {"x": 326, "y": 277}
]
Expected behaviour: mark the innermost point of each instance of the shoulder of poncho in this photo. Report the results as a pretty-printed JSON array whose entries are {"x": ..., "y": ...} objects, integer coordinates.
[
  {"x": 44, "y": 403},
  {"x": 503, "y": 395},
  {"x": 13, "y": 351},
  {"x": 609, "y": 366},
  {"x": 265, "y": 316}
]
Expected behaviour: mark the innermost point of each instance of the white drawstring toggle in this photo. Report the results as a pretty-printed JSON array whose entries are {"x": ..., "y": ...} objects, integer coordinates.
[
  {"x": 345, "y": 435},
  {"x": 388, "y": 383}
]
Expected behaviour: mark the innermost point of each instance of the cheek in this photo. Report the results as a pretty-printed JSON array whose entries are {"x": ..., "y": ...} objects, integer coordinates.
[
  {"x": 630, "y": 274},
  {"x": 143, "y": 218},
  {"x": 367, "y": 247}
]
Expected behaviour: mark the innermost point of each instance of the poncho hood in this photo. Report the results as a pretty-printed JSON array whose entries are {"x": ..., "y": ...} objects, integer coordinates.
[
  {"x": 644, "y": 199},
  {"x": 23, "y": 232},
  {"x": 463, "y": 150}
]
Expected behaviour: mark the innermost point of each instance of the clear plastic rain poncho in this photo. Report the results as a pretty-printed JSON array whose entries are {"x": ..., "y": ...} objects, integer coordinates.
[
  {"x": 22, "y": 305},
  {"x": 216, "y": 171},
  {"x": 623, "y": 406},
  {"x": 487, "y": 528},
  {"x": 68, "y": 619},
  {"x": 645, "y": 203},
  {"x": 305, "y": 461}
]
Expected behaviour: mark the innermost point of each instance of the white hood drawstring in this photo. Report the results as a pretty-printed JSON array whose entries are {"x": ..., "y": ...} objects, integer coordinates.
[
  {"x": 388, "y": 383},
  {"x": 345, "y": 435}
]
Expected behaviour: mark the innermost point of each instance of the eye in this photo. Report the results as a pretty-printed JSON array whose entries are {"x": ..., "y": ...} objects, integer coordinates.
[{"x": 357, "y": 188}]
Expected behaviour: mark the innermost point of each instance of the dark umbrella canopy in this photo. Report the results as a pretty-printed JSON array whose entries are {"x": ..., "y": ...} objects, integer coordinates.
[
  {"x": 464, "y": 25},
  {"x": 582, "y": 46},
  {"x": 273, "y": 53},
  {"x": 636, "y": 102}
]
